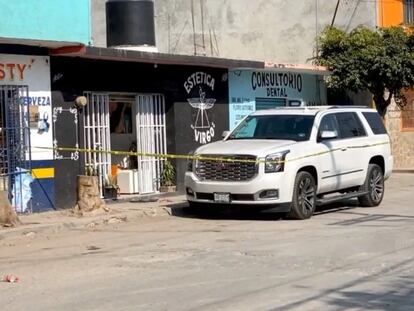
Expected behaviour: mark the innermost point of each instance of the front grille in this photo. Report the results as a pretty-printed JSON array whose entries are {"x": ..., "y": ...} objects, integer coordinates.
[{"x": 226, "y": 171}]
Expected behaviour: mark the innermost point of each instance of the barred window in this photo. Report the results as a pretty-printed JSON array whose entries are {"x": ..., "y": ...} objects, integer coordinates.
[{"x": 408, "y": 11}]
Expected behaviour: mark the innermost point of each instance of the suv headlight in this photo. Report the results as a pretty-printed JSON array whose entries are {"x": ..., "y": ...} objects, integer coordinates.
[{"x": 275, "y": 162}]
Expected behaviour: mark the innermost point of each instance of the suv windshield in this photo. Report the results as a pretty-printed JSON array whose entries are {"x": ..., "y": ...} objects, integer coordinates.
[{"x": 286, "y": 127}]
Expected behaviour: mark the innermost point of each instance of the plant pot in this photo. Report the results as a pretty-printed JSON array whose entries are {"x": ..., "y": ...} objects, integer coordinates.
[
  {"x": 110, "y": 193},
  {"x": 168, "y": 188}
]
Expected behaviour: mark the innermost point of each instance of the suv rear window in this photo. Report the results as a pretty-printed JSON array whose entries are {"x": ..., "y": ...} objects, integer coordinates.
[
  {"x": 350, "y": 125},
  {"x": 375, "y": 122}
]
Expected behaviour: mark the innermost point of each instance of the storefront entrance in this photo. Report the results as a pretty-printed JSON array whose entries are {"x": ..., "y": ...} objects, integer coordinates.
[{"x": 125, "y": 122}]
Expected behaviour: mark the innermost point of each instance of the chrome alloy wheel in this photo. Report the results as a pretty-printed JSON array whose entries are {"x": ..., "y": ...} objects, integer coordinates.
[
  {"x": 376, "y": 185},
  {"x": 306, "y": 196}
]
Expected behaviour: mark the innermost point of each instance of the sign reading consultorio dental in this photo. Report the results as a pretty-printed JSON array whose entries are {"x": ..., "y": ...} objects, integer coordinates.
[
  {"x": 198, "y": 86},
  {"x": 251, "y": 90},
  {"x": 33, "y": 72}
]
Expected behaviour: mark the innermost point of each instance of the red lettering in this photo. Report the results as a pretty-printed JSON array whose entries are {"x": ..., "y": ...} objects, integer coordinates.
[
  {"x": 21, "y": 68},
  {"x": 2, "y": 73},
  {"x": 11, "y": 70}
]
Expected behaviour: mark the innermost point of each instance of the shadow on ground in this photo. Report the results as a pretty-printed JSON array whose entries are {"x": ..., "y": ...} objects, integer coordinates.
[
  {"x": 218, "y": 212},
  {"x": 391, "y": 288}
]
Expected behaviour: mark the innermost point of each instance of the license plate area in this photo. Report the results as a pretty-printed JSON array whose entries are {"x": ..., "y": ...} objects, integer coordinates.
[{"x": 222, "y": 197}]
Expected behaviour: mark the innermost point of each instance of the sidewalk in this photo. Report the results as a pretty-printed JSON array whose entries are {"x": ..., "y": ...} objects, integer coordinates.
[{"x": 57, "y": 221}]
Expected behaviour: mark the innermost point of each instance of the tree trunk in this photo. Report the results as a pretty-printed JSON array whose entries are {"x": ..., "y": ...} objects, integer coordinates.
[
  {"x": 8, "y": 216},
  {"x": 89, "y": 197},
  {"x": 381, "y": 103}
]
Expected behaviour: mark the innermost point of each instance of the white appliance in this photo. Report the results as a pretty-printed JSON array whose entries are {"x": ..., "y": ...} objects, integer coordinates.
[{"x": 128, "y": 181}]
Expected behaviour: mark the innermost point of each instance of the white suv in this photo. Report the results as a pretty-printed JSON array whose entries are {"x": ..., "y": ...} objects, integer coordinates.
[{"x": 294, "y": 159}]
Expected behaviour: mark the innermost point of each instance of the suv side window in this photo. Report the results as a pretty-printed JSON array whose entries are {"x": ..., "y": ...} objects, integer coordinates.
[
  {"x": 350, "y": 125},
  {"x": 328, "y": 123},
  {"x": 375, "y": 123}
]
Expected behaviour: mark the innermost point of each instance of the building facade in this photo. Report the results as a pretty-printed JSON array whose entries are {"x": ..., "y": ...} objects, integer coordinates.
[
  {"x": 400, "y": 118},
  {"x": 29, "y": 29},
  {"x": 282, "y": 30}
]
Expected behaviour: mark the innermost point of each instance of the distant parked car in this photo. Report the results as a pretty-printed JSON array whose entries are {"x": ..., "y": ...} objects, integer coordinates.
[{"x": 294, "y": 159}]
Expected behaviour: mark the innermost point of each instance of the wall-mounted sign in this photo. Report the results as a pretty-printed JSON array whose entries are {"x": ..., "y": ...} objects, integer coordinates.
[
  {"x": 251, "y": 90},
  {"x": 197, "y": 86},
  {"x": 33, "y": 72}
]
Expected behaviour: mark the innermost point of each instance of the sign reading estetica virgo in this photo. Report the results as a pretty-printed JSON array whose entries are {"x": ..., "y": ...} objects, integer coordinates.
[{"x": 196, "y": 86}]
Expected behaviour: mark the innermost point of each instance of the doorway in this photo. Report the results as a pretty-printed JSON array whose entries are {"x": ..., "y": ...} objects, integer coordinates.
[{"x": 126, "y": 123}]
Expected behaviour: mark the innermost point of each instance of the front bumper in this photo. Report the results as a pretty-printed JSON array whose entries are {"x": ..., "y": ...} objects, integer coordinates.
[{"x": 241, "y": 192}]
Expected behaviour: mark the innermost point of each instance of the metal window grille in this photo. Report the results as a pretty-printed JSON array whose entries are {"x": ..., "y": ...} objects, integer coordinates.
[
  {"x": 15, "y": 156},
  {"x": 151, "y": 138},
  {"x": 409, "y": 11},
  {"x": 96, "y": 135}
]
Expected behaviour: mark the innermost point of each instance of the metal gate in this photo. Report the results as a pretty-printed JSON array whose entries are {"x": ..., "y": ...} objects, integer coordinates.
[
  {"x": 15, "y": 156},
  {"x": 96, "y": 135},
  {"x": 151, "y": 138}
]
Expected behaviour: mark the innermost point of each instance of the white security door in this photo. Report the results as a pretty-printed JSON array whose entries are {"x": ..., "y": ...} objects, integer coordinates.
[
  {"x": 97, "y": 135},
  {"x": 151, "y": 138}
]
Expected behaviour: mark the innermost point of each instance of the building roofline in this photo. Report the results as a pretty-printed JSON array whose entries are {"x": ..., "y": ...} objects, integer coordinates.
[
  {"x": 153, "y": 58},
  {"x": 76, "y": 49}
]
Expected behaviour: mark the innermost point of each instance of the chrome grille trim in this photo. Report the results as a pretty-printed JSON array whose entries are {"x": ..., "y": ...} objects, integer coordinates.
[{"x": 226, "y": 171}]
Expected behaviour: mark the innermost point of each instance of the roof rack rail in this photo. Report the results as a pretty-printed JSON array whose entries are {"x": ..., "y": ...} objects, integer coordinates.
[{"x": 347, "y": 106}]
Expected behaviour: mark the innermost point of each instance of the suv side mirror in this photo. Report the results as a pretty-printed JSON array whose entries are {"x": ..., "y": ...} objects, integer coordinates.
[
  {"x": 326, "y": 135},
  {"x": 224, "y": 134}
]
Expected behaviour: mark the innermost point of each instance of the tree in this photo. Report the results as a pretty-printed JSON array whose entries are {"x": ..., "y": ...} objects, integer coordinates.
[
  {"x": 8, "y": 216},
  {"x": 380, "y": 61}
]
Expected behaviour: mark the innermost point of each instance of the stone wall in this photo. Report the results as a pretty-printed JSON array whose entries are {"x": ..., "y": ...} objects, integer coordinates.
[{"x": 402, "y": 139}]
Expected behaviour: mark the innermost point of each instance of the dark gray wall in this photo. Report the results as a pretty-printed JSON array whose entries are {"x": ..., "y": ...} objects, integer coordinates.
[{"x": 73, "y": 76}]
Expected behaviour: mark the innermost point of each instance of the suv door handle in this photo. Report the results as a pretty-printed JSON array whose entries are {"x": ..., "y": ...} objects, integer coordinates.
[{"x": 344, "y": 149}]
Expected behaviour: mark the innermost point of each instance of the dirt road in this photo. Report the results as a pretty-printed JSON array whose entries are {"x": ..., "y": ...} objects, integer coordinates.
[{"x": 344, "y": 258}]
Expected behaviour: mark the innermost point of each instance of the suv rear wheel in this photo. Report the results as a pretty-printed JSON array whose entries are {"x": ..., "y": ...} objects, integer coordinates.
[
  {"x": 304, "y": 196},
  {"x": 374, "y": 185}
]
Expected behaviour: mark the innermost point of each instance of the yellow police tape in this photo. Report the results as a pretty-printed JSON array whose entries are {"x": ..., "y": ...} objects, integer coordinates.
[{"x": 230, "y": 158}]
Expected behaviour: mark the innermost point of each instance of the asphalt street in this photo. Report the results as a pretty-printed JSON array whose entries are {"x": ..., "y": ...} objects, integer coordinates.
[{"x": 344, "y": 258}]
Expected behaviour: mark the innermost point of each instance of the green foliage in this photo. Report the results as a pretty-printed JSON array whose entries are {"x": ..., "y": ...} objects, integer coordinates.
[
  {"x": 380, "y": 61},
  {"x": 168, "y": 174}
]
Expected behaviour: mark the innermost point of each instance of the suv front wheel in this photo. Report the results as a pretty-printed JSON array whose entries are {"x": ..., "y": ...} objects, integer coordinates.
[
  {"x": 304, "y": 196},
  {"x": 374, "y": 186}
]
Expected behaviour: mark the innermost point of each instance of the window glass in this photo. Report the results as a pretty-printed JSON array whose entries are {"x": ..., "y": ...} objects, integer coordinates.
[
  {"x": 375, "y": 123},
  {"x": 286, "y": 127},
  {"x": 349, "y": 125},
  {"x": 408, "y": 8},
  {"x": 246, "y": 129},
  {"x": 328, "y": 123}
]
